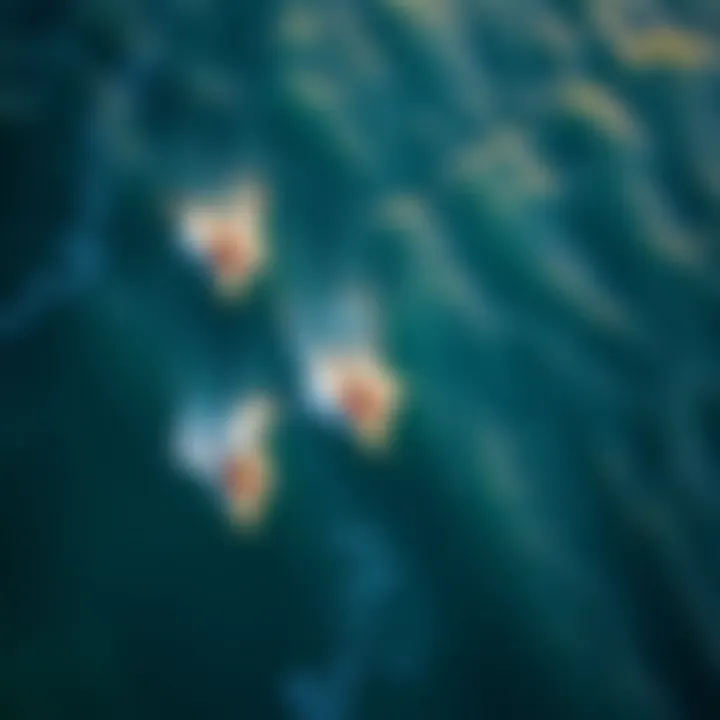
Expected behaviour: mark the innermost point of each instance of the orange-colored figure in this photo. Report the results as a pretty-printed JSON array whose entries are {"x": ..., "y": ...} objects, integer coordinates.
[
  {"x": 230, "y": 252},
  {"x": 229, "y": 237},
  {"x": 247, "y": 476},
  {"x": 233, "y": 458},
  {"x": 362, "y": 397},
  {"x": 366, "y": 393},
  {"x": 247, "y": 482}
]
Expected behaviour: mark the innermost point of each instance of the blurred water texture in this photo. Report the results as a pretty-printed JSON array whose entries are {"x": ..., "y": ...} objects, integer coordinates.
[{"x": 531, "y": 191}]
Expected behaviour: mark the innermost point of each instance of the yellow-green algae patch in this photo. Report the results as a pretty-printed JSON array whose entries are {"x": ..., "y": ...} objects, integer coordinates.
[{"x": 667, "y": 48}]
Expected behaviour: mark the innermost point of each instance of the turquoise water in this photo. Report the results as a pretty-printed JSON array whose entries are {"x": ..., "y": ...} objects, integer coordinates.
[{"x": 530, "y": 190}]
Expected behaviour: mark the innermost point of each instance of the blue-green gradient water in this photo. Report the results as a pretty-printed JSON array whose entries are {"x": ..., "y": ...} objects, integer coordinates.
[{"x": 531, "y": 191}]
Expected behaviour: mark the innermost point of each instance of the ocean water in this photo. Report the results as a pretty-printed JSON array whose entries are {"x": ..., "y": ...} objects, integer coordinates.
[{"x": 530, "y": 191}]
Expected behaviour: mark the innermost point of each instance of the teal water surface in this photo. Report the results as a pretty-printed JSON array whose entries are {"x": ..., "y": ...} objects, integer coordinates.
[{"x": 531, "y": 191}]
